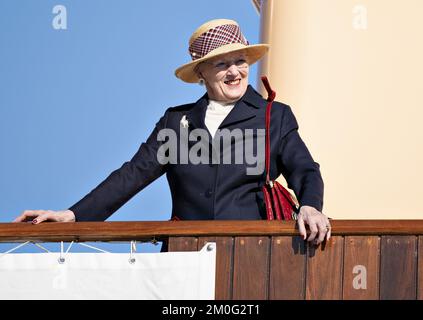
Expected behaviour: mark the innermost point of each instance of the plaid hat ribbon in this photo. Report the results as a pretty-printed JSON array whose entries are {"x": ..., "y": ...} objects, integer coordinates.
[{"x": 215, "y": 38}]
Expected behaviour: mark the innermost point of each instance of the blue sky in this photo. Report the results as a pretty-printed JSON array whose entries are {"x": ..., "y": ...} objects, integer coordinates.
[{"x": 76, "y": 104}]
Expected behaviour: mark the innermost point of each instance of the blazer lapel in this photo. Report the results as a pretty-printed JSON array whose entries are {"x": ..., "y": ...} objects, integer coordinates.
[
  {"x": 245, "y": 108},
  {"x": 197, "y": 114},
  {"x": 240, "y": 112}
]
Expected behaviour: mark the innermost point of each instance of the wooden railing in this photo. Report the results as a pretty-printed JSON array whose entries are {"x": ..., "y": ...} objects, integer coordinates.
[{"x": 365, "y": 259}]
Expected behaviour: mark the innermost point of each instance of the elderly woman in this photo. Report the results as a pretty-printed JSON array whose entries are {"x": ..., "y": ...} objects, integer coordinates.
[{"x": 212, "y": 188}]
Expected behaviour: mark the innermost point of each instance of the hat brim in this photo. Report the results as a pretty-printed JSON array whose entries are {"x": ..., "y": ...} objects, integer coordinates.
[{"x": 252, "y": 52}]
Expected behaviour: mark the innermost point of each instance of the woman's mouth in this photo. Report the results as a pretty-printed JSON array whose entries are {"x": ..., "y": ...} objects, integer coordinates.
[{"x": 233, "y": 82}]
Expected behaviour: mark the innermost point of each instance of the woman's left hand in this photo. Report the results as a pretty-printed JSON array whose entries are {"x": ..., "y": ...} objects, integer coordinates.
[{"x": 318, "y": 223}]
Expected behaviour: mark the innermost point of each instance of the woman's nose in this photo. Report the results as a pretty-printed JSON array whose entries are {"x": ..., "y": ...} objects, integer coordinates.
[{"x": 233, "y": 70}]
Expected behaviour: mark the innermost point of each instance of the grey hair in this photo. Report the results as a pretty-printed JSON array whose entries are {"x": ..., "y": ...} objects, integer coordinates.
[
  {"x": 196, "y": 70},
  {"x": 197, "y": 67}
]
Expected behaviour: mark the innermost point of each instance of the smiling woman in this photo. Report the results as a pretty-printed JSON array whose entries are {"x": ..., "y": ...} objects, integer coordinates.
[
  {"x": 215, "y": 189},
  {"x": 226, "y": 78}
]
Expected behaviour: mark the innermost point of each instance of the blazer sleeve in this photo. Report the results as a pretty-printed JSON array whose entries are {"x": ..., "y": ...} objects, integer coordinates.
[
  {"x": 297, "y": 165},
  {"x": 123, "y": 183}
]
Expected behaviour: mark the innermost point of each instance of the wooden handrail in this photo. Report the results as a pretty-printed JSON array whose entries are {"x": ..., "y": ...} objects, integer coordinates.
[{"x": 146, "y": 230}]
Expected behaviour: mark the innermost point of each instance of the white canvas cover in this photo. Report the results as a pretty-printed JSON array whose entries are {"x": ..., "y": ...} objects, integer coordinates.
[{"x": 170, "y": 275}]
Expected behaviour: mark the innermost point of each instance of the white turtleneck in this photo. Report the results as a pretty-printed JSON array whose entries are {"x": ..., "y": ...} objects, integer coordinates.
[{"x": 215, "y": 114}]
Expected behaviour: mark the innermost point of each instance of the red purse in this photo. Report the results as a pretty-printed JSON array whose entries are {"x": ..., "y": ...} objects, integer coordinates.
[{"x": 280, "y": 205}]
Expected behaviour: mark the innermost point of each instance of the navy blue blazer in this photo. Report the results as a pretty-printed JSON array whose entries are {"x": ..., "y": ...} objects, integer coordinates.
[{"x": 213, "y": 191}]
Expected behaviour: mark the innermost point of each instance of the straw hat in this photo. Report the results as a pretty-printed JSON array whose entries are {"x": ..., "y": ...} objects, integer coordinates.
[{"x": 215, "y": 38}]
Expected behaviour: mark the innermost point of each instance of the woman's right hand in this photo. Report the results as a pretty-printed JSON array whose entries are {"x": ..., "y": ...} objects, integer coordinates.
[{"x": 38, "y": 216}]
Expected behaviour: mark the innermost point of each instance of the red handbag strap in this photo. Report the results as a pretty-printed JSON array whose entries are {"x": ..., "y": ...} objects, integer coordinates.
[{"x": 270, "y": 97}]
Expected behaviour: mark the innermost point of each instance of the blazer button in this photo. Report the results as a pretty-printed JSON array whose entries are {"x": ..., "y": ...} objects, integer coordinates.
[{"x": 208, "y": 193}]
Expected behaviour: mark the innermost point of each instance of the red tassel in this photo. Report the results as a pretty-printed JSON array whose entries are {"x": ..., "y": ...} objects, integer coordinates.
[
  {"x": 288, "y": 202},
  {"x": 277, "y": 198},
  {"x": 276, "y": 203},
  {"x": 268, "y": 204}
]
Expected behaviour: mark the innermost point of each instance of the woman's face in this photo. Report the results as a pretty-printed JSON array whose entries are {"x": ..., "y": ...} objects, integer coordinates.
[{"x": 226, "y": 77}]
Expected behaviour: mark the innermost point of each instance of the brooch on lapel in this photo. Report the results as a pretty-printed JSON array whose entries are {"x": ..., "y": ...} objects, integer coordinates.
[{"x": 184, "y": 122}]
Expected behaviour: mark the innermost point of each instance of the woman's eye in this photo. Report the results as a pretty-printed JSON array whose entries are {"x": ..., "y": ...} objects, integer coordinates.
[
  {"x": 240, "y": 62},
  {"x": 220, "y": 65}
]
